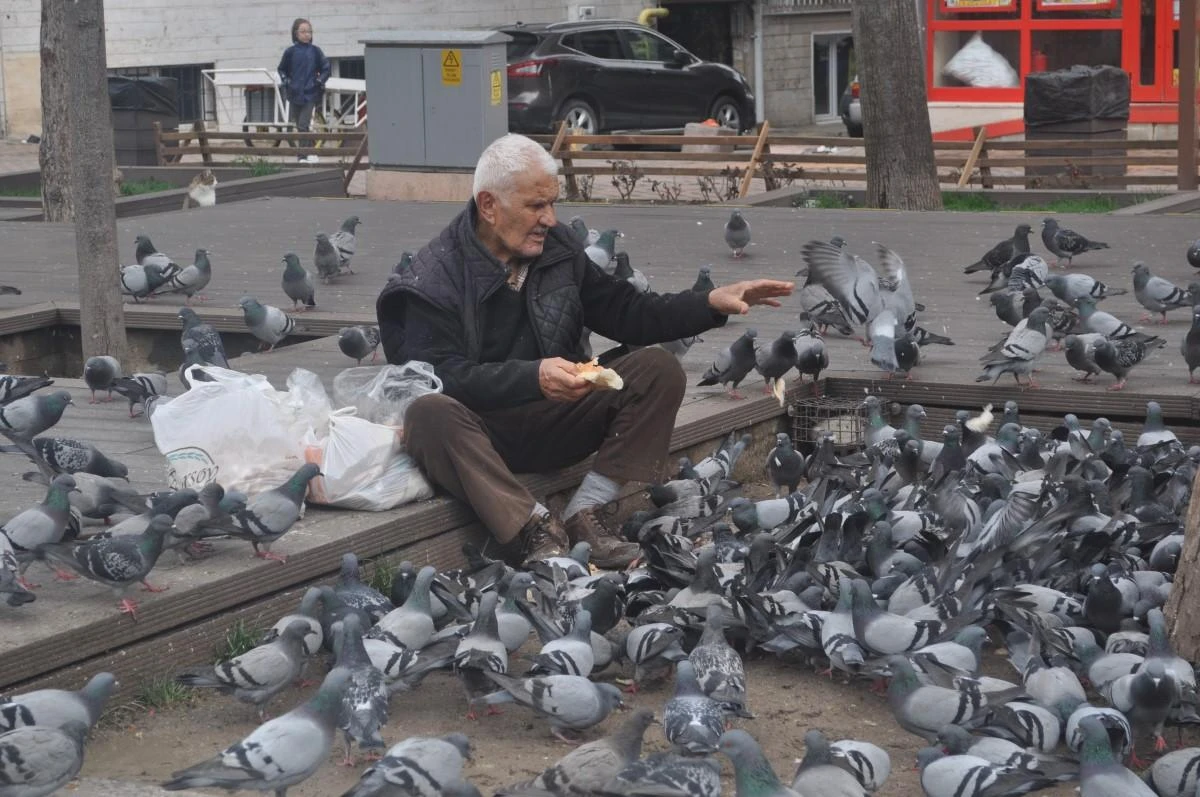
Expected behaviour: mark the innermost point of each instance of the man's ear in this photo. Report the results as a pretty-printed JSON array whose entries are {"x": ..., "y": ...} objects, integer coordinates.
[{"x": 486, "y": 202}]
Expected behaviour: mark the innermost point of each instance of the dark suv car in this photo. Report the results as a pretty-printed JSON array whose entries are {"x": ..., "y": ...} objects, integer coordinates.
[{"x": 616, "y": 75}]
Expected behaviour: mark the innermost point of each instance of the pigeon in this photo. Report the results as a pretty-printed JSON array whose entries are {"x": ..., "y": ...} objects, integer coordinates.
[
  {"x": 818, "y": 774},
  {"x": 68, "y": 455},
  {"x": 569, "y": 702},
  {"x": 924, "y": 709},
  {"x": 99, "y": 373},
  {"x": 586, "y": 769},
  {"x": 118, "y": 562},
  {"x": 9, "y": 290},
  {"x": 1106, "y": 324},
  {"x": 811, "y": 357},
  {"x": 971, "y": 776},
  {"x": 44, "y": 523},
  {"x": 570, "y": 654},
  {"x": 420, "y": 766},
  {"x": 56, "y": 708},
  {"x": 773, "y": 363},
  {"x": 1176, "y": 773},
  {"x": 260, "y": 673},
  {"x": 1012, "y": 306},
  {"x": 1118, "y": 357},
  {"x": 365, "y": 699},
  {"x": 205, "y": 337},
  {"x": 691, "y": 719},
  {"x": 703, "y": 281},
  {"x": 867, "y": 762},
  {"x": 662, "y": 774},
  {"x": 138, "y": 388},
  {"x": 12, "y": 586},
  {"x": 681, "y": 346},
  {"x": 277, "y": 754},
  {"x": 717, "y": 666},
  {"x": 1069, "y": 287},
  {"x": 16, "y": 387},
  {"x": 307, "y": 613},
  {"x": 298, "y": 284},
  {"x": 1066, "y": 243},
  {"x": 189, "y": 280},
  {"x": 36, "y": 761},
  {"x": 267, "y": 323},
  {"x": 737, "y": 233},
  {"x": 345, "y": 242},
  {"x": 624, "y": 271},
  {"x": 752, "y": 772},
  {"x": 326, "y": 259},
  {"x": 1019, "y": 352},
  {"x": 1146, "y": 697},
  {"x": 146, "y": 254},
  {"x": 99, "y": 498},
  {"x": 785, "y": 466},
  {"x": 140, "y": 281},
  {"x": 1193, "y": 254},
  {"x": 1000, "y": 254},
  {"x": 1080, "y": 350},
  {"x": 1156, "y": 294},
  {"x": 410, "y": 624},
  {"x": 1100, "y": 774},
  {"x": 956, "y": 740},
  {"x": 269, "y": 515},
  {"x": 354, "y": 592},
  {"x": 603, "y": 250},
  {"x": 482, "y": 651},
  {"x": 652, "y": 648},
  {"x": 1190, "y": 347},
  {"x": 359, "y": 341},
  {"x": 733, "y": 364}
]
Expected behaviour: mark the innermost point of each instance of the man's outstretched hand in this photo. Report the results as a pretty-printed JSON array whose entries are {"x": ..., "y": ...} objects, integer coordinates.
[
  {"x": 737, "y": 298},
  {"x": 560, "y": 381}
]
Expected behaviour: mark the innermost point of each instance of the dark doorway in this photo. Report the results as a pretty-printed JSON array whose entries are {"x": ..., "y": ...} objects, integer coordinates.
[{"x": 705, "y": 29}]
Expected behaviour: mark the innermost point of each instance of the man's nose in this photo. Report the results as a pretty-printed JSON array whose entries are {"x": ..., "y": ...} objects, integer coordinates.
[{"x": 548, "y": 217}]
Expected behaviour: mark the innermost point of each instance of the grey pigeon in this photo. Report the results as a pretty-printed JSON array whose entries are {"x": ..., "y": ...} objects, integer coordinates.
[
  {"x": 260, "y": 673},
  {"x": 774, "y": 361},
  {"x": 277, "y": 754},
  {"x": 580, "y": 229},
  {"x": 365, "y": 698},
  {"x": 811, "y": 357},
  {"x": 958, "y": 741},
  {"x": 56, "y": 708},
  {"x": 45, "y": 522},
  {"x": 189, "y": 280},
  {"x": 326, "y": 259},
  {"x": 117, "y": 562},
  {"x": 420, "y": 766},
  {"x": 99, "y": 373},
  {"x": 359, "y": 341},
  {"x": 623, "y": 270},
  {"x": 925, "y": 709},
  {"x": 1000, "y": 254},
  {"x": 586, "y": 769},
  {"x": 1156, "y": 294},
  {"x": 603, "y": 250},
  {"x": 355, "y": 592},
  {"x": 867, "y": 762},
  {"x": 99, "y": 498},
  {"x": 970, "y": 776},
  {"x": 737, "y": 233},
  {"x": 1081, "y": 350},
  {"x": 16, "y": 387},
  {"x": 818, "y": 774},
  {"x": 883, "y": 632},
  {"x": 481, "y": 651},
  {"x": 145, "y": 253},
  {"x": 37, "y": 761},
  {"x": 307, "y": 613},
  {"x": 140, "y": 281},
  {"x": 1175, "y": 774},
  {"x": 571, "y": 654},
  {"x": 269, "y": 515},
  {"x": 1019, "y": 352},
  {"x": 691, "y": 719},
  {"x": 733, "y": 364},
  {"x": 1119, "y": 357},
  {"x": 410, "y": 624},
  {"x": 68, "y": 455},
  {"x": 267, "y": 323},
  {"x": 1069, "y": 287},
  {"x": 785, "y": 466},
  {"x": 1190, "y": 347},
  {"x": 569, "y": 702},
  {"x": 205, "y": 336},
  {"x": 1066, "y": 243},
  {"x": 1011, "y": 306},
  {"x": 12, "y": 586},
  {"x": 652, "y": 648},
  {"x": 717, "y": 666},
  {"x": 1146, "y": 697},
  {"x": 1106, "y": 324},
  {"x": 346, "y": 243},
  {"x": 681, "y": 346},
  {"x": 752, "y": 772},
  {"x": 1100, "y": 774},
  {"x": 137, "y": 389},
  {"x": 298, "y": 283},
  {"x": 187, "y": 534},
  {"x": 703, "y": 281},
  {"x": 663, "y": 774}
]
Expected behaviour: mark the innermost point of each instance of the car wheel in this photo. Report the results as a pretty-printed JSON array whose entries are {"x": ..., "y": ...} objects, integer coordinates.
[
  {"x": 727, "y": 113},
  {"x": 853, "y": 130},
  {"x": 580, "y": 116}
]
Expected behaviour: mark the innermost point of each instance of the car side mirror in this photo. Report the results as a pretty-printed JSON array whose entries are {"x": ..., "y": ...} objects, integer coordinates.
[{"x": 681, "y": 58}]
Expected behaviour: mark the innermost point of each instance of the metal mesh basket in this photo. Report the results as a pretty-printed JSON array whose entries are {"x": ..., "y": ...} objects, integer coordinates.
[{"x": 844, "y": 418}]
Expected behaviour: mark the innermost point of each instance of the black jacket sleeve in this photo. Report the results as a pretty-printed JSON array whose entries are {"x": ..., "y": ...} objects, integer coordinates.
[
  {"x": 433, "y": 335},
  {"x": 615, "y": 309}
]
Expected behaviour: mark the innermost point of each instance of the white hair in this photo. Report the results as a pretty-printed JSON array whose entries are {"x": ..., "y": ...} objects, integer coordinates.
[{"x": 507, "y": 157}]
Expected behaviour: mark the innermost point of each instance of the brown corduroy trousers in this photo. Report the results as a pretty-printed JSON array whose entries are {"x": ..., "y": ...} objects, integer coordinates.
[{"x": 473, "y": 455}]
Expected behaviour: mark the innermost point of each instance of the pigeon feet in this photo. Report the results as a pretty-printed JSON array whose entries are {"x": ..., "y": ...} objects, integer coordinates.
[
  {"x": 148, "y": 587},
  {"x": 632, "y": 689},
  {"x": 560, "y": 734},
  {"x": 349, "y": 760},
  {"x": 274, "y": 557},
  {"x": 493, "y": 711},
  {"x": 471, "y": 715},
  {"x": 735, "y": 396},
  {"x": 26, "y": 583},
  {"x": 1118, "y": 386},
  {"x": 128, "y": 607},
  {"x": 1160, "y": 744},
  {"x": 64, "y": 575}
]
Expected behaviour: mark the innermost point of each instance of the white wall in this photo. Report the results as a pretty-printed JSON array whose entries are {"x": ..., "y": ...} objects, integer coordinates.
[{"x": 233, "y": 33}]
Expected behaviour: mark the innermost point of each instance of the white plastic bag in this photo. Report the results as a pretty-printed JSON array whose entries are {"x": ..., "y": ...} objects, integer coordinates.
[
  {"x": 238, "y": 429},
  {"x": 382, "y": 393},
  {"x": 362, "y": 466},
  {"x": 977, "y": 64}
]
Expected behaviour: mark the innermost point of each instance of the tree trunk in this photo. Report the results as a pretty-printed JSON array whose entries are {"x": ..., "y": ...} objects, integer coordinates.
[
  {"x": 54, "y": 152},
  {"x": 101, "y": 312},
  {"x": 1183, "y": 607},
  {"x": 891, "y": 70}
]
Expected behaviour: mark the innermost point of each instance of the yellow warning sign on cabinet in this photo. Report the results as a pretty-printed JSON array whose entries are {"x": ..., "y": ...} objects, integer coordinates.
[
  {"x": 497, "y": 87},
  {"x": 452, "y": 67}
]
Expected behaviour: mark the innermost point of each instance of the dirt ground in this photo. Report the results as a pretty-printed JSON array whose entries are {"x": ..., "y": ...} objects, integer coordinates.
[{"x": 787, "y": 699}]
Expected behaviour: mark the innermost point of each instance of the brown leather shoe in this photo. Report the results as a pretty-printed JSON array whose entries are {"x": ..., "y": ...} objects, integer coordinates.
[
  {"x": 542, "y": 537},
  {"x": 609, "y": 552}
]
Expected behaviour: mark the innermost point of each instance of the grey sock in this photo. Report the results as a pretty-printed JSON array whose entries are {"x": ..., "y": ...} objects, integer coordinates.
[
  {"x": 538, "y": 509},
  {"x": 595, "y": 490}
]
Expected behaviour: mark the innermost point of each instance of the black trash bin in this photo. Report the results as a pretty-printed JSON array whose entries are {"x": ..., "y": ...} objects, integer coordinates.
[
  {"x": 1082, "y": 103},
  {"x": 137, "y": 103}
]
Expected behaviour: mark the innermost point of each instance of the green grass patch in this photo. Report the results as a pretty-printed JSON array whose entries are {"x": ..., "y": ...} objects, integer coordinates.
[
  {"x": 239, "y": 638},
  {"x": 259, "y": 167},
  {"x": 380, "y": 575},
  {"x": 981, "y": 203},
  {"x": 968, "y": 203},
  {"x": 21, "y": 192},
  {"x": 1086, "y": 204},
  {"x": 830, "y": 202},
  {"x": 163, "y": 693},
  {"x": 147, "y": 186}
]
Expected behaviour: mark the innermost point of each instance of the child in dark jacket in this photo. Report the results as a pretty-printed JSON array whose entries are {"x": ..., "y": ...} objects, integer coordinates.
[{"x": 303, "y": 71}]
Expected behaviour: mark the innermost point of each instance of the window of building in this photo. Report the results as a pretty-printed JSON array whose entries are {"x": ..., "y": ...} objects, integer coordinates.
[{"x": 354, "y": 68}]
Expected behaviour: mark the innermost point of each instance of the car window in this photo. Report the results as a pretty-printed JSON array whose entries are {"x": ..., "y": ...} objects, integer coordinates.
[
  {"x": 522, "y": 44},
  {"x": 645, "y": 46},
  {"x": 596, "y": 43}
]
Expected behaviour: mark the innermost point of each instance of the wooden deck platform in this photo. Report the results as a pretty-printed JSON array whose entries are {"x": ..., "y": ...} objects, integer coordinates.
[{"x": 73, "y": 629}]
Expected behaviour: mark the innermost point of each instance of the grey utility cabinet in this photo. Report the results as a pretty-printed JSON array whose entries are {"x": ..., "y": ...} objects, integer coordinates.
[{"x": 437, "y": 98}]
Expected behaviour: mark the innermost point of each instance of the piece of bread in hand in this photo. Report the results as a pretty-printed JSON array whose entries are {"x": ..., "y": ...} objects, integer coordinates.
[{"x": 599, "y": 375}]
